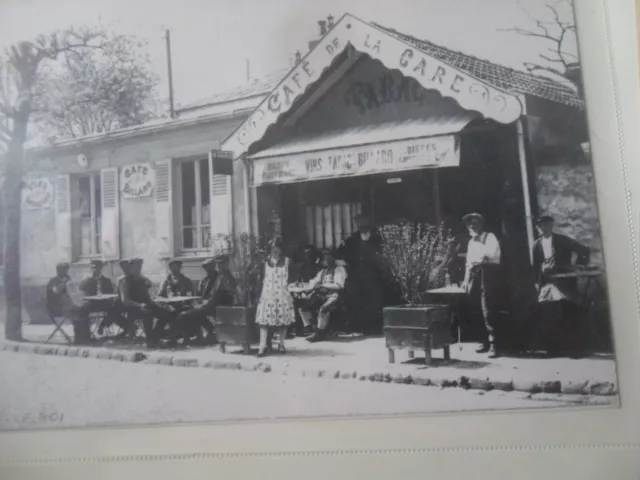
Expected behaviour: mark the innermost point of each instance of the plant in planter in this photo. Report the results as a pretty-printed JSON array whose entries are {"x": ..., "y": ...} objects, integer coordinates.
[
  {"x": 235, "y": 324},
  {"x": 417, "y": 255}
]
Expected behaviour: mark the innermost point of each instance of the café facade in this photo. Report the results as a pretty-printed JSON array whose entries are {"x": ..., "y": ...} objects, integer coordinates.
[{"x": 368, "y": 121}]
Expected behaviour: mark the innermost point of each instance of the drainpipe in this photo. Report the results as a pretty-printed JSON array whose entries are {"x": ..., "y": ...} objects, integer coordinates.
[{"x": 522, "y": 157}]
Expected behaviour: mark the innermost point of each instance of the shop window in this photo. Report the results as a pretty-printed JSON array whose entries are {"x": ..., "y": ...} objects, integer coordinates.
[
  {"x": 195, "y": 204},
  {"x": 327, "y": 225},
  {"x": 88, "y": 228}
]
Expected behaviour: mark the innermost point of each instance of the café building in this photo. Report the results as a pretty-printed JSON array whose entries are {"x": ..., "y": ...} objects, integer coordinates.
[{"x": 376, "y": 122}]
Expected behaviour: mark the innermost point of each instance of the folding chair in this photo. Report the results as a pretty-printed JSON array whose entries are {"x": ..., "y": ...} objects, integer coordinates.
[{"x": 58, "y": 322}]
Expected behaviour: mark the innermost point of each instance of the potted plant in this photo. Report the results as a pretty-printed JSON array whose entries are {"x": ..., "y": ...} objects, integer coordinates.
[
  {"x": 417, "y": 255},
  {"x": 235, "y": 324}
]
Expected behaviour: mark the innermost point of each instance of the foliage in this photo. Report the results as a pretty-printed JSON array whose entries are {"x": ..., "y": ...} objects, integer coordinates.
[
  {"x": 417, "y": 255},
  {"x": 96, "y": 90},
  {"x": 247, "y": 257}
]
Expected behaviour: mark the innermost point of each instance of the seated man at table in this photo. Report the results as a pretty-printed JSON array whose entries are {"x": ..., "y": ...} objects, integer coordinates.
[
  {"x": 219, "y": 287},
  {"x": 98, "y": 284},
  {"x": 326, "y": 290},
  {"x": 558, "y": 297},
  {"x": 133, "y": 291},
  {"x": 176, "y": 284},
  {"x": 60, "y": 304}
]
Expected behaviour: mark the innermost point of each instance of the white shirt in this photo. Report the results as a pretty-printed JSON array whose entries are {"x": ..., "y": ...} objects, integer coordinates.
[
  {"x": 483, "y": 248},
  {"x": 339, "y": 277},
  {"x": 547, "y": 247}
]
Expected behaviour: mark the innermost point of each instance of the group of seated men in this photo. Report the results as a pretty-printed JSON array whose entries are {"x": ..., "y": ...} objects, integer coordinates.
[{"x": 168, "y": 322}]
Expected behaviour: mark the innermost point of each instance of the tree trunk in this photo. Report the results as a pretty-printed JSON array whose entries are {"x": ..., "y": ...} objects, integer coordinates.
[{"x": 12, "y": 191}]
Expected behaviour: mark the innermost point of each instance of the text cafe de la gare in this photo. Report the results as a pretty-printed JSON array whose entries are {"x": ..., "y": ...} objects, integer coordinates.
[{"x": 373, "y": 122}]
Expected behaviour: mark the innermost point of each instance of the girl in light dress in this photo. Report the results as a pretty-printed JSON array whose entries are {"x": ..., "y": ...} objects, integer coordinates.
[{"x": 275, "y": 307}]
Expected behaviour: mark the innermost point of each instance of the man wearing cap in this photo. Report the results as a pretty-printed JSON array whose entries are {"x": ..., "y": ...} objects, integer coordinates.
[
  {"x": 219, "y": 287},
  {"x": 176, "y": 284},
  {"x": 327, "y": 288},
  {"x": 552, "y": 254},
  {"x": 361, "y": 252},
  {"x": 482, "y": 276},
  {"x": 60, "y": 304},
  {"x": 97, "y": 284}
]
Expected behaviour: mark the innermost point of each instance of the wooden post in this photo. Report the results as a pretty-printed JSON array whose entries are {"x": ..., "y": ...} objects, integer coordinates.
[
  {"x": 427, "y": 349},
  {"x": 436, "y": 196},
  {"x": 522, "y": 157}
]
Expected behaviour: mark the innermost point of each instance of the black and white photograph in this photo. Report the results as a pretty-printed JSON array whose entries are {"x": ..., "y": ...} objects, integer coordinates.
[{"x": 250, "y": 210}]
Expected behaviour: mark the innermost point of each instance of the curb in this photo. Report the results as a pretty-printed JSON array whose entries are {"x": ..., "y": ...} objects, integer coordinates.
[{"x": 552, "y": 387}]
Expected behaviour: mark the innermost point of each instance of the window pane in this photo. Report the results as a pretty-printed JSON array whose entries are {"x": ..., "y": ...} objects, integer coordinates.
[
  {"x": 205, "y": 195},
  {"x": 189, "y": 237},
  {"x": 206, "y": 236},
  {"x": 97, "y": 220},
  {"x": 188, "y": 194},
  {"x": 84, "y": 197},
  {"x": 85, "y": 236}
]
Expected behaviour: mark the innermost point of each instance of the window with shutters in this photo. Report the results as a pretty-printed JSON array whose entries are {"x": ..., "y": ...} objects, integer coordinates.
[
  {"x": 88, "y": 227},
  {"x": 328, "y": 224},
  {"x": 194, "y": 204}
]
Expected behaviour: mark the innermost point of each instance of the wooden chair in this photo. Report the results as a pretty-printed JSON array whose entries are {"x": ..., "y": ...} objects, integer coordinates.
[{"x": 58, "y": 322}]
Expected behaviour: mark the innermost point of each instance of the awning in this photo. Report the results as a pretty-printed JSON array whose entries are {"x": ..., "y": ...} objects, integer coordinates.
[{"x": 388, "y": 147}]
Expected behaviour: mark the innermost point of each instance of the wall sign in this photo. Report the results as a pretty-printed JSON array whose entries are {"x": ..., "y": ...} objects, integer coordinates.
[
  {"x": 37, "y": 193},
  {"x": 358, "y": 160},
  {"x": 137, "y": 180}
]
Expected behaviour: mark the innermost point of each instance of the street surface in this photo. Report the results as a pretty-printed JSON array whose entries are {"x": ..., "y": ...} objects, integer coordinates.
[{"x": 48, "y": 391}]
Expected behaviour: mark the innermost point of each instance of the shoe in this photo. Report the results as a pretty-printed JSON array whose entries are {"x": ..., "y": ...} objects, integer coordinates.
[
  {"x": 261, "y": 353},
  {"x": 493, "y": 353},
  {"x": 318, "y": 336},
  {"x": 281, "y": 349},
  {"x": 483, "y": 349}
]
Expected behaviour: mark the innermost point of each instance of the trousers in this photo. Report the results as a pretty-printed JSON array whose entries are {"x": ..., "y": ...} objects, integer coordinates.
[{"x": 484, "y": 295}]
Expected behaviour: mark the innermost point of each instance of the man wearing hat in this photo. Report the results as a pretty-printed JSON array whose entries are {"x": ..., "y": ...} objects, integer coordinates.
[
  {"x": 326, "y": 290},
  {"x": 552, "y": 254},
  {"x": 219, "y": 287},
  {"x": 60, "y": 304},
  {"x": 176, "y": 284},
  {"x": 97, "y": 284},
  {"x": 482, "y": 278}
]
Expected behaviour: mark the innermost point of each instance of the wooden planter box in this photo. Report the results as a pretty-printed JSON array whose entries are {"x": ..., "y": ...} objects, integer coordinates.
[
  {"x": 236, "y": 325},
  {"x": 424, "y": 327}
]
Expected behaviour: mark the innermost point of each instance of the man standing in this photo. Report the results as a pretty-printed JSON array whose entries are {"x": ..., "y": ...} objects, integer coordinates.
[
  {"x": 176, "y": 284},
  {"x": 60, "y": 304},
  {"x": 98, "y": 284},
  {"x": 326, "y": 290},
  {"x": 481, "y": 279},
  {"x": 553, "y": 254},
  {"x": 362, "y": 252}
]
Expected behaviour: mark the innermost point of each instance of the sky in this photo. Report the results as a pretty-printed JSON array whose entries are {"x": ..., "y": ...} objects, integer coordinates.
[{"x": 212, "y": 40}]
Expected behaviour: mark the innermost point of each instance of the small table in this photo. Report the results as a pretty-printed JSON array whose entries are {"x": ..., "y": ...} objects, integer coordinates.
[
  {"x": 453, "y": 294},
  {"x": 101, "y": 297},
  {"x": 592, "y": 277},
  {"x": 177, "y": 300}
]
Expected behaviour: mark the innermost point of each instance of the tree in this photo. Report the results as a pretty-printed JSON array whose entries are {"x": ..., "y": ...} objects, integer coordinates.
[
  {"x": 19, "y": 73},
  {"x": 97, "y": 90},
  {"x": 559, "y": 34}
]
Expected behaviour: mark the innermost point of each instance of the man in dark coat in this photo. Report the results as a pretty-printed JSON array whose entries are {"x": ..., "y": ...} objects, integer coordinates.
[
  {"x": 98, "y": 284},
  {"x": 60, "y": 304},
  {"x": 558, "y": 298},
  {"x": 176, "y": 284},
  {"x": 362, "y": 252}
]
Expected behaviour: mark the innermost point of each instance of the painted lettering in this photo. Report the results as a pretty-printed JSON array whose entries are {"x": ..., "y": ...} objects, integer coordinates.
[
  {"x": 420, "y": 67},
  {"x": 296, "y": 79},
  {"x": 440, "y": 72},
  {"x": 405, "y": 57},
  {"x": 306, "y": 66},
  {"x": 455, "y": 85},
  {"x": 367, "y": 96},
  {"x": 288, "y": 94},
  {"x": 333, "y": 46},
  {"x": 274, "y": 102}
]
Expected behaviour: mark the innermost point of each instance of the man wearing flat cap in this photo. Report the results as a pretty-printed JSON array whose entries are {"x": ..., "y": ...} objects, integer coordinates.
[
  {"x": 219, "y": 287},
  {"x": 482, "y": 278},
  {"x": 553, "y": 254},
  {"x": 97, "y": 284},
  {"x": 176, "y": 284}
]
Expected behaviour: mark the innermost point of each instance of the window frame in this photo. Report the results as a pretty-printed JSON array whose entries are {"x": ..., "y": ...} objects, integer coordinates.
[
  {"x": 200, "y": 222},
  {"x": 95, "y": 179}
]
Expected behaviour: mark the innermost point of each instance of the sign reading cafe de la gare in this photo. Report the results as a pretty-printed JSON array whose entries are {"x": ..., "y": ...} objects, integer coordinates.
[
  {"x": 395, "y": 156},
  {"x": 469, "y": 92},
  {"x": 137, "y": 180}
]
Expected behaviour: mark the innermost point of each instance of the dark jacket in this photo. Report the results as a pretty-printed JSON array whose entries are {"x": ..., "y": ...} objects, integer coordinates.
[
  {"x": 563, "y": 249},
  {"x": 358, "y": 253},
  {"x": 179, "y": 286},
  {"x": 89, "y": 286},
  {"x": 58, "y": 297},
  {"x": 219, "y": 289}
]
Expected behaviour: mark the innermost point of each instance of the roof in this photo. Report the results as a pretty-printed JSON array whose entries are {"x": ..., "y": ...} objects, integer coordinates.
[
  {"x": 505, "y": 78},
  {"x": 258, "y": 87}
]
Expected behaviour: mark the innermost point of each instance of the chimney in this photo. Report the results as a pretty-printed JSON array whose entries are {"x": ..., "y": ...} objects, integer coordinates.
[
  {"x": 323, "y": 31},
  {"x": 330, "y": 22},
  {"x": 574, "y": 74},
  {"x": 298, "y": 57}
]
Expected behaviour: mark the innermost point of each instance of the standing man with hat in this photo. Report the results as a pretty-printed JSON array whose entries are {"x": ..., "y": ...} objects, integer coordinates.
[
  {"x": 97, "y": 284},
  {"x": 176, "y": 284},
  {"x": 482, "y": 279}
]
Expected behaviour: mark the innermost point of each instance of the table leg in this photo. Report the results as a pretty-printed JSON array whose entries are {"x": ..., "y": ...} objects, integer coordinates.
[
  {"x": 411, "y": 354},
  {"x": 447, "y": 353},
  {"x": 247, "y": 348},
  {"x": 392, "y": 355},
  {"x": 223, "y": 347},
  {"x": 427, "y": 350}
]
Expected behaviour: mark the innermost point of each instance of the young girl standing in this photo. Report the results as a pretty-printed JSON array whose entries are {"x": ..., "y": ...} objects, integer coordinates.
[{"x": 275, "y": 307}]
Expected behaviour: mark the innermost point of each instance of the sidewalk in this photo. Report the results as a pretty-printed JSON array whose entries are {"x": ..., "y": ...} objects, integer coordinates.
[{"x": 365, "y": 359}]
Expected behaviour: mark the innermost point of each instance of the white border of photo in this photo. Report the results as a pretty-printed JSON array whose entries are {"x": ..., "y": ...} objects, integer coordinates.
[{"x": 581, "y": 443}]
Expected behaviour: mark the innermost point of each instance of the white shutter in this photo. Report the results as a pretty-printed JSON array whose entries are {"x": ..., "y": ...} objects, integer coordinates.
[
  {"x": 63, "y": 218},
  {"x": 221, "y": 206},
  {"x": 164, "y": 207},
  {"x": 110, "y": 235}
]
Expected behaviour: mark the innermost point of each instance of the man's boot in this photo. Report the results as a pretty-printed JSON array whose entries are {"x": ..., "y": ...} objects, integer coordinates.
[{"x": 319, "y": 335}]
